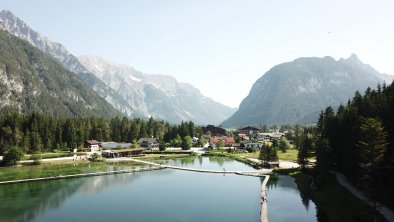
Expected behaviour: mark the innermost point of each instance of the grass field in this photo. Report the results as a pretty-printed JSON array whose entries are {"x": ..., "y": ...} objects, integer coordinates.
[{"x": 290, "y": 155}]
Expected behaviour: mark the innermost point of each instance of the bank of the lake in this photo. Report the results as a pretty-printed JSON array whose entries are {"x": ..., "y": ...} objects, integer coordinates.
[
  {"x": 333, "y": 201},
  {"x": 164, "y": 195},
  {"x": 70, "y": 167}
]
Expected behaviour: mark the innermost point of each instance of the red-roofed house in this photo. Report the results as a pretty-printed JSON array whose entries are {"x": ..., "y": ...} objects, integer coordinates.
[
  {"x": 243, "y": 136},
  {"x": 228, "y": 141}
]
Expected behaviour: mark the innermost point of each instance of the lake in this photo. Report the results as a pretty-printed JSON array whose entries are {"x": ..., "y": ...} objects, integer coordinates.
[{"x": 162, "y": 195}]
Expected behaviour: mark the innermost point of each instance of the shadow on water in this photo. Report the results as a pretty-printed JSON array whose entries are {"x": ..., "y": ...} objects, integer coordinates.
[{"x": 284, "y": 196}]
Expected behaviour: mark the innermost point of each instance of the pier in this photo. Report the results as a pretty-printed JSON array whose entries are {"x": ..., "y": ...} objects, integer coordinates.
[{"x": 59, "y": 177}]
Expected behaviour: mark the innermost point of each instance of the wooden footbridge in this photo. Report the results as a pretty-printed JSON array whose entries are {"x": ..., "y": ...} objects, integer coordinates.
[
  {"x": 256, "y": 173},
  {"x": 156, "y": 166}
]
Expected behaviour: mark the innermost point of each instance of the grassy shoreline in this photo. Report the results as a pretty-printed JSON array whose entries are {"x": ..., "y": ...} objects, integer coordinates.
[
  {"x": 69, "y": 167},
  {"x": 333, "y": 201}
]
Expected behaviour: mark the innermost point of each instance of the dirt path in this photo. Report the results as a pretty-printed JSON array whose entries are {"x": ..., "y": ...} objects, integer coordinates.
[
  {"x": 387, "y": 213},
  {"x": 282, "y": 164}
]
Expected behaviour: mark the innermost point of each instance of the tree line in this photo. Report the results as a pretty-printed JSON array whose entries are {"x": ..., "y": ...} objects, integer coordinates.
[
  {"x": 38, "y": 132},
  {"x": 358, "y": 140}
]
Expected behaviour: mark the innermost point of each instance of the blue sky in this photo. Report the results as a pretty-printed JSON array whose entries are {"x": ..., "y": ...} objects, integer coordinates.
[{"x": 220, "y": 46}]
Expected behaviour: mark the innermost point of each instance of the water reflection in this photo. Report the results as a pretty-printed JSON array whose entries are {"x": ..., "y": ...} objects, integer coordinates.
[
  {"x": 157, "y": 196},
  {"x": 284, "y": 199},
  {"x": 27, "y": 201}
]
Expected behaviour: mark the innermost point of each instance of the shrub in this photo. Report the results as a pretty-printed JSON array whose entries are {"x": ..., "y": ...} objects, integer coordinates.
[
  {"x": 162, "y": 146},
  {"x": 36, "y": 159},
  {"x": 96, "y": 157},
  {"x": 13, "y": 156},
  {"x": 251, "y": 149}
]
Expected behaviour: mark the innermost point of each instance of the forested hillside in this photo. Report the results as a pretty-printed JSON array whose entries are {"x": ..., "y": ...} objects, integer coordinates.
[
  {"x": 42, "y": 133},
  {"x": 32, "y": 81},
  {"x": 358, "y": 140}
]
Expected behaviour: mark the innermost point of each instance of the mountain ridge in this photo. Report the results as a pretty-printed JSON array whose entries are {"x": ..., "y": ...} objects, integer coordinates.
[
  {"x": 174, "y": 110},
  {"x": 157, "y": 95},
  {"x": 20, "y": 29},
  {"x": 289, "y": 92},
  {"x": 32, "y": 81}
]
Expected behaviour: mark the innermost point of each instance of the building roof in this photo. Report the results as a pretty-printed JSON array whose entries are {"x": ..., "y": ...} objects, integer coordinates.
[
  {"x": 273, "y": 135},
  {"x": 125, "y": 150},
  {"x": 243, "y": 136},
  {"x": 148, "y": 140},
  {"x": 92, "y": 142},
  {"x": 113, "y": 145},
  {"x": 225, "y": 139}
]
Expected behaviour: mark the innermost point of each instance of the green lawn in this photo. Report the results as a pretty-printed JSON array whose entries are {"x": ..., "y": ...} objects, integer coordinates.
[
  {"x": 56, "y": 154},
  {"x": 290, "y": 155}
]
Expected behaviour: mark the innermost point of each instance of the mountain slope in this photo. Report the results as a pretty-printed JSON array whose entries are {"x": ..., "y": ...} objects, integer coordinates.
[
  {"x": 32, "y": 81},
  {"x": 20, "y": 29},
  {"x": 295, "y": 92},
  {"x": 160, "y": 96}
]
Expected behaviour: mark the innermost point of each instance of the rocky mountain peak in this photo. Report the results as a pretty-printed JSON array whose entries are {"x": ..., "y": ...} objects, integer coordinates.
[
  {"x": 159, "y": 96},
  {"x": 2, "y": 26},
  {"x": 295, "y": 92},
  {"x": 19, "y": 28},
  {"x": 133, "y": 93}
]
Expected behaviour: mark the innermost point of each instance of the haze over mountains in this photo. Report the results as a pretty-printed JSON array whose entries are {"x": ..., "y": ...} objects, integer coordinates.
[
  {"x": 295, "y": 92},
  {"x": 292, "y": 92},
  {"x": 161, "y": 96},
  {"x": 158, "y": 96}
]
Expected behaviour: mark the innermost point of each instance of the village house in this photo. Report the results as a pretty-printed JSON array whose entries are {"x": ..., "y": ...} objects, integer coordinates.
[
  {"x": 115, "y": 150},
  {"x": 228, "y": 141},
  {"x": 114, "y": 145},
  {"x": 148, "y": 143},
  {"x": 249, "y": 130},
  {"x": 91, "y": 145},
  {"x": 237, "y": 145},
  {"x": 270, "y": 136},
  {"x": 254, "y": 145},
  {"x": 243, "y": 136},
  {"x": 122, "y": 153}
]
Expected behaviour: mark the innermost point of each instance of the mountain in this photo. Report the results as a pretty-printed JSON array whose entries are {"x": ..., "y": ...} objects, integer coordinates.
[
  {"x": 20, "y": 29},
  {"x": 159, "y": 96},
  {"x": 296, "y": 91},
  {"x": 33, "y": 81}
]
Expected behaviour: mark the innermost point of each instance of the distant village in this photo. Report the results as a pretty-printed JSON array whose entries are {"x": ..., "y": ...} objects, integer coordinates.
[{"x": 245, "y": 138}]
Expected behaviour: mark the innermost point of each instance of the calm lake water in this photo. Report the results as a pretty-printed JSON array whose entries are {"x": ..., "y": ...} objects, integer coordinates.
[{"x": 164, "y": 195}]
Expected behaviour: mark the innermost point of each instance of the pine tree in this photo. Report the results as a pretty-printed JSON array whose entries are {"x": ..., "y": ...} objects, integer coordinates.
[
  {"x": 26, "y": 141},
  {"x": 372, "y": 148}
]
